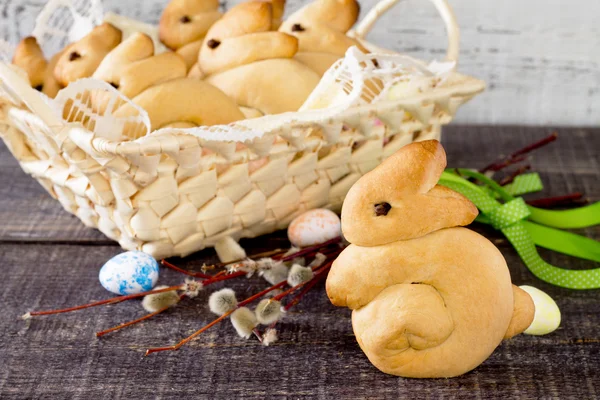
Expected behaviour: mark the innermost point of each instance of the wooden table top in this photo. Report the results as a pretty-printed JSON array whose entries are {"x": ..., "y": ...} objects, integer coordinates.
[{"x": 49, "y": 260}]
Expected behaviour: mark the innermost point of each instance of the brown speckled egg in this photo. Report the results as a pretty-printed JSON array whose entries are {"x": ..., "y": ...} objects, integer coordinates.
[{"x": 314, "y": 227}]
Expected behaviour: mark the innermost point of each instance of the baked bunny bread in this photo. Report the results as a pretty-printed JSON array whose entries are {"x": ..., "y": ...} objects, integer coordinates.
[
  {"x": 252, "y": 63},
  {"x": 183, "y": 25},
  {"x": 132, "y": 66},
  {"x": 30, "y": 57},
  {"x": 80, "y": 59},
  {"x": 159, "y": 85},
  {"x": 321, "y": 28},
  {"x": 186, "y": 21},
  {"x": 184, "y": 103},
  {"x": 429, "y": 298}
]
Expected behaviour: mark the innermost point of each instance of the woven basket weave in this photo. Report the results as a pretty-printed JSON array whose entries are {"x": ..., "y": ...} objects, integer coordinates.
[{"x": 173, "y": 191}]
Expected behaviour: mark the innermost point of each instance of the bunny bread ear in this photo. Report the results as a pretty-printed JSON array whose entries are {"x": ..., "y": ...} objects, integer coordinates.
[
  {"x": 136, "y": 47},
  {"x": 399, "y": 200},
  {"x": 82, "y": 58},
  {"x": 29, "y": 56}
]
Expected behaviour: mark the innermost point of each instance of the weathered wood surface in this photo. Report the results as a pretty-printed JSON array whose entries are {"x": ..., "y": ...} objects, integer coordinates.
[
  {"x": 50, "y": 260},
  {"x": 540, "y": 58}
]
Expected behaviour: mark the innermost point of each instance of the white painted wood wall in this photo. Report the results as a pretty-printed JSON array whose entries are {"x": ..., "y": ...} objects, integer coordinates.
[{"x": 540, "y": 58}]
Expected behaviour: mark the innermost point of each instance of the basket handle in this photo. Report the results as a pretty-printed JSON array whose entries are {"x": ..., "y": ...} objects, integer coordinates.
[{"x": 452, "y": 30}]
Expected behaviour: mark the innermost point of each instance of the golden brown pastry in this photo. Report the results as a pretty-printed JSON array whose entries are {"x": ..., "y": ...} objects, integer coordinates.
[
  {"x": 185, "y": 102},
  {"x": 29, "y": 56},
  {"x": 80, "y": 59},
  {"x": 244, "y": 35},
  {"x": 186, "y": 21},
  {"x": 136, "y": 47},
  {"x": 320, "y": 28},
  {"x": 243, "y": 56},
  {"x": 429, "y": 299},
  {"x": 132, "y": 68},
  {"x": 270, "y": 86}
]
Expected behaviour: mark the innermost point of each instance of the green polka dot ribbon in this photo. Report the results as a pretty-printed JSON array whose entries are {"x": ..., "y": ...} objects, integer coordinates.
[
  {"x": 526, "y": 226},
  {"x": 525, "y": 183}
]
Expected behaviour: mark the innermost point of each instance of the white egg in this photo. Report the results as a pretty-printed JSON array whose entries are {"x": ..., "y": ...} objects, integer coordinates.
[
  {"x": 129, "y": 273},
  {"x": 314, "y": 227},
  {"x": 547, "y": 314}
]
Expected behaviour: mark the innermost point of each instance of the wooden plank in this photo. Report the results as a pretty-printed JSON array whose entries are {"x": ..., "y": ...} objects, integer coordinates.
[
  {"x": 538, "y": 57},
  {"x": 571, "y": 164},
  {"x": 317, "y": 356}
]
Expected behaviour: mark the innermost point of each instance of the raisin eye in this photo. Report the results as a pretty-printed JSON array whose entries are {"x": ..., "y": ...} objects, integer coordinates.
[
  {"x": 74, "y": 56},
  {"x": 298, "y": 28},
  {"x": 382, "y": 209},
  {"x": 115, "y": 85},
  {"x": 185, "y": 19},
  {"x": 39, "y": 88},
  {"x": 213, "y": 44}
]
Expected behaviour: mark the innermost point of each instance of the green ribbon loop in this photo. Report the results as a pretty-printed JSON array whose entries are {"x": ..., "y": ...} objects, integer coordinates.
[
  {"x": 526, "y": 183},
  {"x": 509, "y": 213},
  {"x": 525, "y": 226}
]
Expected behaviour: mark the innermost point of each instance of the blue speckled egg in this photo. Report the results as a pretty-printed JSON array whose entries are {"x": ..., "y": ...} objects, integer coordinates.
[{"x": 129, "y": 273}]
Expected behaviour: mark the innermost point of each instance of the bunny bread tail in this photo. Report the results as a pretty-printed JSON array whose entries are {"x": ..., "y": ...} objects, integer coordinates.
[{"x": 523, "y": 313}]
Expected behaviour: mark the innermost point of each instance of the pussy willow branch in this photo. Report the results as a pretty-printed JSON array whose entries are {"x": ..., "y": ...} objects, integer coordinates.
[{"x": 319, "y": 271}]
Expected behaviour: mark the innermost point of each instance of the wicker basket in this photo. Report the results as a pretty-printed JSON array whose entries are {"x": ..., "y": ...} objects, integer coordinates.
[{"x": 174, "y": 192}]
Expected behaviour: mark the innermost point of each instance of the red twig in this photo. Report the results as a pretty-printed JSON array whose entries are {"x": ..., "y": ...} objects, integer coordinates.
[
  {"x": 549, "y": 202},
  {"x": 310, "y": 249},
  {"x": 114, "y": 300},
  {"x": 219, "y": 265},
  {"x": 499, "y": 165},
  {"x": 319, "y": 272},
  {"x": 183, "y": 271},
  {"x": 135, "y": 321},
  {"x": 216, "y": 321},
  {"x": 518, "y": 155},
  {"x": 510, "y": 178},
  {"x": 296, "y": 299},
  {"x": 536, "y": 145}
]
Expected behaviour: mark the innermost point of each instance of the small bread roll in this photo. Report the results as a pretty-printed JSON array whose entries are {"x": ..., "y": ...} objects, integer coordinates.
[
  {"x": 187, "y": 21},
  {"x": 246, "y": 49},
  {"x": 270, "y": 86},
  {"x": 321, "y": 26},
  {"x": 339, "y": 15},
  {"x": 136, "y": 47},
  {"x": 318, "y": 62},
  {"x": 184, "y": 100},
  {"x": 245, "y": 35},
  {"x": 151, "y": 71},
  {"x": 249, "y": 17},
  {"x": 29, "y": 56},
  {"x": 82, "y": 58},
  {"x": 320, "y": 38}
]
